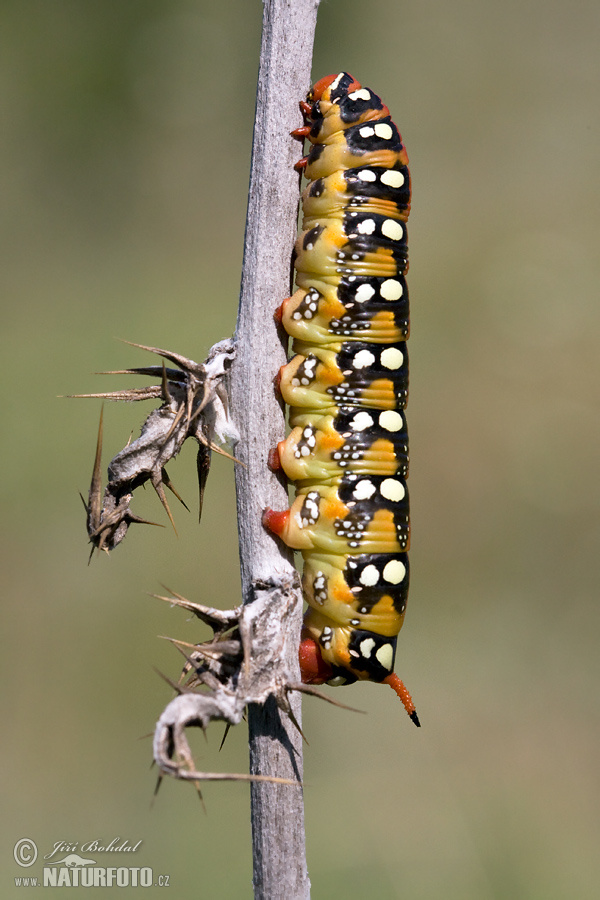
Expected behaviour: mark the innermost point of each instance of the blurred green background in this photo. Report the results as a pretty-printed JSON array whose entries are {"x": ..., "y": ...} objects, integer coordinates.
[{"x": 127, "y": 131}]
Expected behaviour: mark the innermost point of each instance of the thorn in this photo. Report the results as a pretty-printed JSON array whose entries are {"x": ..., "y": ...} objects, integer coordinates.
[
  {"x": 206, "y": 397},
  {"x": 227, "y": 728},
  {"x": 176, "y": 642},
  {"x": 152, "y": 392},
  {"x": 168, "y": 483},
  {"x": 217, "y": 619},
  {"x": 165, "y": 386},
  {"x": 295, "y": 723},
  {"x": 173, "y": 374},
  {"x": 94, "y": 508},
  {"x": 137, "y": 520},
  {"x": 189, "y": 666},
  {"x": 227, "y": 455},
  {"x": 212, "y": 650},
  {"x": 203, "y": 460},
  {"x": 176, "y": 687},
  {"x": 200, "y": 797},
  {"x": 157, "y": 485},
  {"x": 188, "y": 365},
  {"x": 301, "y": 165},
  {"x": 174, "y": 423},
  {"x": 159, "y": 781},
  {"x": 309, "y": 689}
]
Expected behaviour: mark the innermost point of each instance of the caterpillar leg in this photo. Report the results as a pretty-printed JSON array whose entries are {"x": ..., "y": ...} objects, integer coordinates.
[
  {"x": 313, "y": 668},
  {"x": 275, "y": 521}
]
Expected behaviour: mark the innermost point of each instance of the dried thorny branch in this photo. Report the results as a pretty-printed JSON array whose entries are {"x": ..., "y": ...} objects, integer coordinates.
[
  {"x": 240, "y": 665},
  {"x": 194, "y": 405},
  {"x": 246, "y": 662}
]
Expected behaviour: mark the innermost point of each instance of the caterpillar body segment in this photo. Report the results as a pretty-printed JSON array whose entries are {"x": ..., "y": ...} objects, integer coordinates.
[{"x": 347, "y": 387}]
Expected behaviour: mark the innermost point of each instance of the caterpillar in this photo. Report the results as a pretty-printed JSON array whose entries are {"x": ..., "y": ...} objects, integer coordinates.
[{"x": 347, "y": 387}]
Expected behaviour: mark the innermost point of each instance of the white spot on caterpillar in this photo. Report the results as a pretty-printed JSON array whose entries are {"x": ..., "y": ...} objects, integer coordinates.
[
  {"x": 392, "y": 358},
  {"x": 392, "y": 178},
  {"x": 325, "y": 642},
  {"x": 364, "y": 490},
  {"x": 336, "y": 81},
  {"x": 366, "y": 647},
  {"x": 361, "y": 421},
  {"x": 369, "y": 575},
  {"x": 391, "y": 289},
  {"x": 367, "y": 226},
  {"x": 367, "y": 175},
  {"x": 385, "y": 656},
  {"x": 390, "y": 420},
  {"x": 364, "y": 293},
  {"x": 384, "y": 131},
  {"x": 392, "y": 489},
  {"x": 366, "y": 131},
  {"x": 363, "y": 359},
  {"x": 363, "y": 94},
  {"x": 392, "y": 230},
  {"x": 394, "y": 571}
]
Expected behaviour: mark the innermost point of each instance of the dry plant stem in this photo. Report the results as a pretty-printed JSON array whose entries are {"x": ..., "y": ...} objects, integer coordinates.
[{"x": 275, "y": 744}]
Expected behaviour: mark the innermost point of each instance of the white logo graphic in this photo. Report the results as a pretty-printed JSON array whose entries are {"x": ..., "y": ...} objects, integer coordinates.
[
  {"x": 73, "y": 861},
  {"x": 25, "y": 852}
]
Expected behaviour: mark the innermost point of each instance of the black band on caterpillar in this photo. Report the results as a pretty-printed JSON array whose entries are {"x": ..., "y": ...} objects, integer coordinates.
[{"x": 347, "y": 387}]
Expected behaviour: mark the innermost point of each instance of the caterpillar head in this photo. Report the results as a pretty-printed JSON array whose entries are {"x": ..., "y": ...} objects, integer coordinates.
[{"x": 337, "y": 85}]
